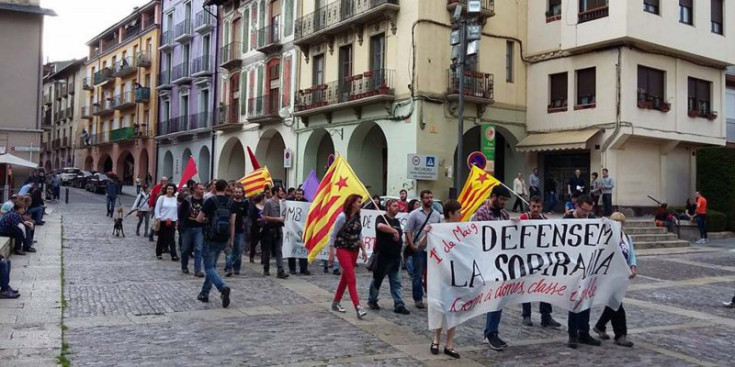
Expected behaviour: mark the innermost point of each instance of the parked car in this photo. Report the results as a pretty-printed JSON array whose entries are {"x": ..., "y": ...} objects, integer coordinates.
[
  {"x": 68, "y": 174},
  {"x": 81, "y": 179},
  {"x": 97, "y": 183}
]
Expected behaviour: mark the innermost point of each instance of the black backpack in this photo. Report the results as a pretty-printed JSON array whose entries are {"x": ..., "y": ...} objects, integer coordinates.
[{"x": 219, "y": 224}]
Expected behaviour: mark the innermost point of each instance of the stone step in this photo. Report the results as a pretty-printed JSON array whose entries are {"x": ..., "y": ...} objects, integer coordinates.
[
  {"x": 661, "y": 244},
  {"x": 639, "y": 223},
  {"x": 653, "y": 237},
  {"x": 645, "y": 230}
]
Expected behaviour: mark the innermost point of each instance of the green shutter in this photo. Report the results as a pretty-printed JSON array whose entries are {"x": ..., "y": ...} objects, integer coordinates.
[
  {"x": 260, "y": 82},
  {"x": 288, "y": 26},
  {"x": 261, "y": 14},
  {"x": 246, "y": 31}
]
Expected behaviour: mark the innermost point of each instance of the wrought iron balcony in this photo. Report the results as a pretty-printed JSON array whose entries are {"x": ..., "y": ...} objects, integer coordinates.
[
  {"x": 263, "y": 109},
  {"x": 87, "y": 84},
  {"x": 201, "y": 120},
  {"x": 202, "y": 66},
  {"x": 103, "y": 76},
  {"x": 478, "y": 86},
  {"x": 164, "y": 80},
  {"x": 167, "y": 41},
  {"x": 593, "y": 13},
  {"x": 86, "y": 112},
  {"x": 339, "y": 16},
  {"x": 228, "y": 116},
  {"x": 488, "y": 7},
  {"x": 124, "y": 100},
  {"x": 354, "y": 91},
  {"x": 181, "y": 73},
  {"x": 103, "y": 107},
  {"x": 127, "y": 133},
  {"x": 143, "y": 59},
  {"x": 269, "y": 39},
  {"x": 173, "y": 126},
  {"x": 142, "y": 95},
  {"x": 183, "y": 31},
  {"x": 97, "y": 139},
  {"x": 204, "y": 22},
  {"x": 230, "y": 55},
  {"x": 124, "y": 67}
]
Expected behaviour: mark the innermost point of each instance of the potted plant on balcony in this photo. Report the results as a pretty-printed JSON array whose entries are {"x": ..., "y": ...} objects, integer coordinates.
[
  {"x": 693, "y": 113},
  {"x": 665, "y": 107},
  {"x": 642, "y": 103},
  {"x": 712, "y": 115}
]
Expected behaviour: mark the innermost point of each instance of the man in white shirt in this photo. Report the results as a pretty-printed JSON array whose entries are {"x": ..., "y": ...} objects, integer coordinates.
[{"x": 519, "y": 188}]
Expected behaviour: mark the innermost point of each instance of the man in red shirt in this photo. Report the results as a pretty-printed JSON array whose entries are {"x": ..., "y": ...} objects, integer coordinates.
[
  {"x": 154, "y": 197},
  {"x": 535, "y": 213},
  {"x": 701, "y": 217},
  {"x": 403, "y": 203}
]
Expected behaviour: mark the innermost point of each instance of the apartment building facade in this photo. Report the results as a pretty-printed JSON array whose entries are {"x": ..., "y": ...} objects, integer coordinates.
[
  {"x": 186, "y": 87},
  {"x": 120, "y": 106},
  {"x": 730, "y": 107},
  {"x": 632, "y": 86},
  {"x": 62, "y": 94},
  {"x": 258, "y": 62}
]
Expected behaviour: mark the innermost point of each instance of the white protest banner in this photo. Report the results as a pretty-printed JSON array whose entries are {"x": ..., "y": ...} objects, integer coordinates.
[
  {"x": 478, "y": 267},
  {"x": 294, "y": 213}
]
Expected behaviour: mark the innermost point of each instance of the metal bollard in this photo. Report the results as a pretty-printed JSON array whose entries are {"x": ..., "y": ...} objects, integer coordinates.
[{"x": 66, "y": 200}]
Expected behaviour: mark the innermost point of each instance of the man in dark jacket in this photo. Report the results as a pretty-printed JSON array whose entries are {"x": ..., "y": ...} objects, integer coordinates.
[{"x": 112, "y": 189}]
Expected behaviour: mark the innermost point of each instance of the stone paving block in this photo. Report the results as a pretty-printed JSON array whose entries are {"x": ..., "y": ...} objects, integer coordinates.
[
  {"x": 669, "y": 270},
  {"x": 710, "y": 258},
  {"x": 707, "y": 344},
  {"x": 704, "y": 298}
]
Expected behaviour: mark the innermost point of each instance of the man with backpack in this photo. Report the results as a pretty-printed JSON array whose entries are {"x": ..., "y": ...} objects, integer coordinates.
[
  {"x": 272, "y": 235},
  {"x": 220, "y": 222}
]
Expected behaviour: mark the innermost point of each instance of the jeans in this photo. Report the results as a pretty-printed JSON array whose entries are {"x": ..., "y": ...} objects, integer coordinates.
[
  {"x": 607, "y": 202},
  {"x": 543, "y": 308},
  {"x": 702, "y": 225},
  {"x": 619, "y": 324},
  {"x": 145, "y": 217},
  {"x": 20, "y": 241},
  {"x": 211, "y": 253},
  {"x": 347, "y": 279},
  {"x": 272, "y": 244},
  {"x": 4, "y": 275},
  {"x": 417, "y": 280},
  {"x": 393, "y": 271},
  {"x": 111, "y": 206},
  {"x": 193, "y": 238},
  {"x": 409, "y": 265},
  {"x": 137, "y": 189},
  {"x": 166, "y": 239},
  {"x": 234, "y": 258},
  {"x": 492, "y": 321},
  {"x": 36, "y": 213},
  {"x": 57, "y": 192},
  {"x": 551, "y": 201},
  {"x": 578, "y": 323}
]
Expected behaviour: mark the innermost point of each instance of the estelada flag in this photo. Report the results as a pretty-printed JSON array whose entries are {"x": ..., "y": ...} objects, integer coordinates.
[
  {"x": 476, "y": 189},
  {"x": 338, "y": 183},
  {"x": 255, "y": 182}
]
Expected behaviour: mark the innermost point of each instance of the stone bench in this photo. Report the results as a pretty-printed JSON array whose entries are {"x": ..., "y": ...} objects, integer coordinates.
[
  {"x": 688, "y": 231},
  {"x": 6, "y": 246}
]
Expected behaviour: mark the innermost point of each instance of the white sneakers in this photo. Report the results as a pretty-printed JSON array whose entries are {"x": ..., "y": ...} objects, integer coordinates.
[{"x": 701, "y": 241}]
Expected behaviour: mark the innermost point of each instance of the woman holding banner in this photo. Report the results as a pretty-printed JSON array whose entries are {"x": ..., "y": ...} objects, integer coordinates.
[
  {"x": 617, "y": 317},
  {"x": 347, "y": 240},
  {"x": 452, "y": 214}
]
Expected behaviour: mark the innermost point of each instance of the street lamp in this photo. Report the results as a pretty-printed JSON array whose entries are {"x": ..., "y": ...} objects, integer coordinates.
[{"x": 465, "y": 41}]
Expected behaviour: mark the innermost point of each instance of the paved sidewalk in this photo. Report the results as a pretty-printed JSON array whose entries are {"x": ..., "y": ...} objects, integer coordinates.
[{"x": 30, "y": 326}]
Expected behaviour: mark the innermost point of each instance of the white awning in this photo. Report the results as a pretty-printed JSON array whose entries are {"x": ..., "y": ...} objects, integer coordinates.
[
  {"x": 564, "y": 140},
  {"x": 8, "y": 158}
]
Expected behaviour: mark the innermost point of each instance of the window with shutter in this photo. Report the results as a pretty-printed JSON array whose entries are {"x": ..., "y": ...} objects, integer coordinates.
[
  {"x": 651, "y": 89},
  {"x": 586, "y": 87},
  {"x": 699, "y": 101},
  {"x": 650, "y": 6},
  {"x": 686, "y": 11},
  {"x": 557, "y": 92},
  {"x": 554, "y": 8},
  {"x": 716, "y": 16}
]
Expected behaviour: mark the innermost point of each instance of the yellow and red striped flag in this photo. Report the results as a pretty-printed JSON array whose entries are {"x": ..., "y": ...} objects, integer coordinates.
[
  {"x": 254, "y": 183},
  {"x": 476, "y": 189},
  {"x": 339, "y": 182}
]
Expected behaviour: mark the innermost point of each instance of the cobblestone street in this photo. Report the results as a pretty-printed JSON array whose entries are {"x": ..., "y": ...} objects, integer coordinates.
[{"x": 125, "y": 307}]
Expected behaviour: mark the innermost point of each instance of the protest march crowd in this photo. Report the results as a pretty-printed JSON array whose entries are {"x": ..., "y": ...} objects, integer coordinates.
[{"x": 469, "y": 257}]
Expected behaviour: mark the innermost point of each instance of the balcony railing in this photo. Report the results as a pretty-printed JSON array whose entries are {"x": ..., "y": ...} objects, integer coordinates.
[
  {"x": 183, "y": 31},
  {"x": 478, "y": 86},
  {"x": 201, "y": 66},
  {"x": 126, "y": 133},
  {"x": 263, "y": 107},
  {"x": 167, "y": 40},
  {"x": 339, "y": 15},
  {"x": 204, "y": 22},
  {"x": 201, "y": 120},
  {"x": 228, "y": 114},
  {"x": 108, "y": 45},
  {"x": 97, "y": 139},
  {"x": 164, "y": 79},
  {"x": 230, "y": 55},
  {"x": 173, "y": 125},
  {"x": 142, "y": 94},
  {"x": 269, "y": 39},
  {"x": 56, "y": 143},
  {"x": 592, "y": 14},
  {"x": 181, "y": 73},
  {"x": 353, "y": 89},
  {"x": 488, "y": 6},
  {"x": 700, "y": 108},
  {"x": 143, "y": 59},
  {"x": 87, "y": 84},
  {"x": 124, "y": 100},
  {"x": 103, "y": 75},
  {"x": 103, "y": 107},
  {"x": 124, "y": 67},
  {"x": 86, "y": 112}
]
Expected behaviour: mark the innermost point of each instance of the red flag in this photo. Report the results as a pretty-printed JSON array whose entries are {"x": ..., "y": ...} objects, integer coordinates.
[
  {"x": 253, "y": 160},
  {"x": 189, "y": 172}
]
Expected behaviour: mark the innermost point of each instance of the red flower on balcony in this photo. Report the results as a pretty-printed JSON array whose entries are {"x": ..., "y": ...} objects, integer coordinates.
[
  {"x": 693, "y": 113},
  {"x": 665, "y": 107},
  {"x": 712, "y": 115}
]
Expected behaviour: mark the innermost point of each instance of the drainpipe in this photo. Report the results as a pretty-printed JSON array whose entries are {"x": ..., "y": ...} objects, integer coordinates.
[
  {"x": 215, "y": 88},
  {"x": 618, "y": 124}
]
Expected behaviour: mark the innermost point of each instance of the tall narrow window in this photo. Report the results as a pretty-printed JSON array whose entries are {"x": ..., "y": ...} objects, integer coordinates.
[
  {"x": 686, "y": 11},
  {"x": 288, "y": 18},
  {"x": 377, "y": 52},
  {"x": 345, "y": 71},
  {"x": 586, "y": 87},
  {"x": 246, "y": 31},
  {"x": 557, "y": 92},
  {"x": 717, "y": 16},
  {"x": 650, "y": 6},
  {"x": 509, "y": 61},
  {"x": 318, "y": 72}
]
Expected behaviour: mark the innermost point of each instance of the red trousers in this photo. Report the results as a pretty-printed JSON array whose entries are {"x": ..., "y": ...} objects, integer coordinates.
[{"x": 347, "y": 259}]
